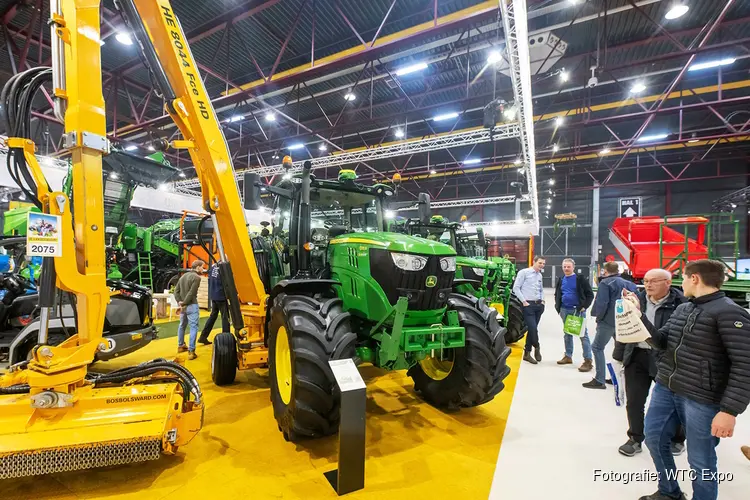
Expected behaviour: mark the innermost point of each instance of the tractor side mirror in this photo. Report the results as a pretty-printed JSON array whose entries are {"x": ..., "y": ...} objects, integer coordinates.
[
  {"x": 423, "y": 202},
  {"x": 251, "y": 191},
  {"x": 481, "y": 238}
]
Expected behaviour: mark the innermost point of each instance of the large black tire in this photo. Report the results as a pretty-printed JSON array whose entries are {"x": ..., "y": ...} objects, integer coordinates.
[
  {"x": 316, "y": 331},
  {"x": 515, "y": 324},
  {"x": 224, "y": 359},
  {"x": 478, "y": 368}
]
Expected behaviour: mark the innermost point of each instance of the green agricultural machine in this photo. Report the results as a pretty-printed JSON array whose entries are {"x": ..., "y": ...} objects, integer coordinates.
[
  {"x": 490, "y": 278},
  {"x": 394, "y": 292}
]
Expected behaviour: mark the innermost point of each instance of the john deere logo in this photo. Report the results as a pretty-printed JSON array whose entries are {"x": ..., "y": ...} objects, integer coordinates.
[{"x": 431, "y": 281}]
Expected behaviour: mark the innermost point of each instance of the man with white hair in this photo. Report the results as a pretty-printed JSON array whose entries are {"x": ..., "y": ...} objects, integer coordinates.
[{"x": 659, "y": 300}]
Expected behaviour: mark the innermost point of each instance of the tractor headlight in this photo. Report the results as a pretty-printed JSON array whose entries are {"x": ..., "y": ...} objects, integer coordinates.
[
  {"x": 409, "y": 262},
  {"x": 479, "y": 271},
  {"x": 448, "y": 264}
]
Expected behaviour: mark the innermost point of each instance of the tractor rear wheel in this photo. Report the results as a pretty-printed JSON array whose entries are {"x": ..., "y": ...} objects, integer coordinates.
[
  {"x": 515, "y": 324},
  {"x": 224, "y": 359},
  {"x": 305, "y": 333},
  {"x": 471, "y": 375}
]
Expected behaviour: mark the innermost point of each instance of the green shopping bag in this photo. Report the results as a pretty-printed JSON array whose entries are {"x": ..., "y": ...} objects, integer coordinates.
[{"x": 573, "y": 325}]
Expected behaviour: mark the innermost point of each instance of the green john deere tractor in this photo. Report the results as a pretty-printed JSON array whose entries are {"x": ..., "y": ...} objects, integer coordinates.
[
  {"x": 356, "y": 291},
  {"x": 485, "y": 277}
]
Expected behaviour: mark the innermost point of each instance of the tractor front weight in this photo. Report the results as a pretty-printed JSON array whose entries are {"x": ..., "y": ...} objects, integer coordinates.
[{"x": 400, "y": 347}]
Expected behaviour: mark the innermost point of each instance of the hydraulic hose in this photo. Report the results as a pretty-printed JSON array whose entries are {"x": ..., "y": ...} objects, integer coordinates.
[
  {"x": 16, "y": 389},
  {"x": 189, "y": 384}
]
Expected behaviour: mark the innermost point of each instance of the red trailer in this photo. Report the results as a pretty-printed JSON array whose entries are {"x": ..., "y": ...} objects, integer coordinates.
[{"x": 646, "y": 243}]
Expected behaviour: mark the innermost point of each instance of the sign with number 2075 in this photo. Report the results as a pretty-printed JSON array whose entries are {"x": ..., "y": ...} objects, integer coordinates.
[{"x": 44, "y": 235}]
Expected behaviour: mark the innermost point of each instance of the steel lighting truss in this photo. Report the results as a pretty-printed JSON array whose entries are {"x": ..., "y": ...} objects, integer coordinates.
[
  {"x": 516, "y": 40},
  {"x": 433, "y": 143}
]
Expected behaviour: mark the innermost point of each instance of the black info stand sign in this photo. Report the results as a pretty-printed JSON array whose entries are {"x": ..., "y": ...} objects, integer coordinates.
[{"x": 350, "y": 476}]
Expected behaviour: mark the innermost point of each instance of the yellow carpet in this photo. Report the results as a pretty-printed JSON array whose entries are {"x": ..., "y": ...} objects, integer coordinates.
[{"x": 413, "y": 450}]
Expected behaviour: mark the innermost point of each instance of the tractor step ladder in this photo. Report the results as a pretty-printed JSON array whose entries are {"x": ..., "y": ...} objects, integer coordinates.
[{"x": 145, "y": 276}]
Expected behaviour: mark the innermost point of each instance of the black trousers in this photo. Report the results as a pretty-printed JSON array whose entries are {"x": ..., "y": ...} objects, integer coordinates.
[
  {"x": 533, "y": 315},
  {"x": 217, "y": 306},
  {"x": 638, "y": 381}
]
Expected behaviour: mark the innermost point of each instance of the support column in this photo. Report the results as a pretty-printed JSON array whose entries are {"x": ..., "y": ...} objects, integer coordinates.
[
  {"x": 518, "y": 209},
  {"x": 594, "y": 233}
]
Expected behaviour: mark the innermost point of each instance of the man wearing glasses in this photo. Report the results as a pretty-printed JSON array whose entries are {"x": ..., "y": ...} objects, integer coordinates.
[{"x": 659, "y": 300}]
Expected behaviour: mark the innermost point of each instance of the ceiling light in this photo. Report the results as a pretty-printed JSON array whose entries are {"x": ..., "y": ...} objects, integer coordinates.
[
  {"x": 151, "y": 148},
  {"x": 236, "y": 118},
  {"x": 322, "y": 147},
  {"x": 432, "y": 172},
  {"x": 517, "y": 161},
  {"x": 131, "y": 147},
  {"x": 472, "y": 161},
  {"x": 286, "y": 176},
  {"x": 692, "y": 141},
  {"x": 390, "y": 214},
  {"x": 509, "y": 113},
  {"x": 124, "y": 38},
  {"x": 559, "y": 121},
  {"x": 163, "y": 187},
  {"x": 552, "y": 182},
  {"x": 549, "y": 191},
  {"x": 555, "y": 148},
  {"x": 298, "y": 145},
  {"x": 399, "y": 133},
  {"x": 446, "y": 116},
  {"x": 564, "y": 76},
  {"x": 49, "y": 162},
  {"x": 350, "y": 97},
  {"x": 270, "y": 117},
  {"x": 654, "y": 137},
  {"x": 549, "y": 200},
  {"x": 637, "y": 88},
  {"x": 549, "y": 206},
  {"x": 605, "y": 151},
  {"x": 411, "y": 69},
  {"x": 530, "y": 212},
  {"x": 678, "y": 10},
  {"x": 182, "y": 174},
  {"x": 712, "y": 64},
  {"x": 494, "y": 57},
  {"x": 521, "y": 171},
  {"x": 113, "y": 176}
]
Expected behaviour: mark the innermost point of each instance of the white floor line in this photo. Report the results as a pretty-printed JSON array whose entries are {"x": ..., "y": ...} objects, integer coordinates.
[{"x": 559, "y": 433}]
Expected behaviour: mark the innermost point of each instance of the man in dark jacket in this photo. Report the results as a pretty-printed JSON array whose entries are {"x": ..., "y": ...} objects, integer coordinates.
[
  {"x": 703, "y": 380},
  {"x": 610, "y": 289},
  {"x": 218, "y": 305},
  {"x": 573, "y": 295},
  {"x": 659, "y": 300}
]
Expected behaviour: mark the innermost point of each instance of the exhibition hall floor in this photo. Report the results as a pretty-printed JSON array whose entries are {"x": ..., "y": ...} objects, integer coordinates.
[{"x": 559, "y": 433}]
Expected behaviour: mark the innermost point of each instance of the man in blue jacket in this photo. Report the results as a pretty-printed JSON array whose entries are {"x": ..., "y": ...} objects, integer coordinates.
[
  {"x": 218, "y": 305},
  {"x": 610, "y": 289}
]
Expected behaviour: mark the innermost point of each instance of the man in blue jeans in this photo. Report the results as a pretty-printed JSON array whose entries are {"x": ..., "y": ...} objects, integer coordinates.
[
  {"x": 186, "y": 294},
  {"x": 702, "y": 381},
  {"x": 610, "y": 289},
  {"x": 529, "y": 290},
  {"x": 573, "y": 295}
]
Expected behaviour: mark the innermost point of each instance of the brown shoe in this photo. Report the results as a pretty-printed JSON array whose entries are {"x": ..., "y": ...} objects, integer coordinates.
[
  {"x": 565, "y": 361},
  {"x": 529, "y": 358},
  {"x": 192, "y": 355},
  {"x": 746, "y": 451},
  {"x": 587, "y": 366},
  {"x": 182, "y": 348}
]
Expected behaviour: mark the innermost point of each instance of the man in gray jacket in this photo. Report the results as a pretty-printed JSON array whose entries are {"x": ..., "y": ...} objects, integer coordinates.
[{"x": 186, "y": 294}]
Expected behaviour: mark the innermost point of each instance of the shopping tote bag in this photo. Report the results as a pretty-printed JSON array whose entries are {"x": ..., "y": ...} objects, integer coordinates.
[
  {"x": 617, "y": 373},
  {"x": 629, "y": 328},
  {"x": 573, "y": 325}
]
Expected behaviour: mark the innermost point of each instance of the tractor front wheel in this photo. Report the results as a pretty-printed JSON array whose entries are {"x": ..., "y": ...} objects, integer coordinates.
[
  {"x": 471, "y": 375},
  {"x": 305, "y": 333},
  {"x": 515, "y": 324}
]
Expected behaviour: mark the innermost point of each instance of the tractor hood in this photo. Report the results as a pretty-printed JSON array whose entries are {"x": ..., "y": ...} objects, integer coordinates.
[
  {"x": 395, "y": 242},
  {"x": 473, "y": 262}
]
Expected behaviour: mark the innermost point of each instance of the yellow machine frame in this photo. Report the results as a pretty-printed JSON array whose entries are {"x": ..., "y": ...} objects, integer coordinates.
[{"x": 78, "y": 419}]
